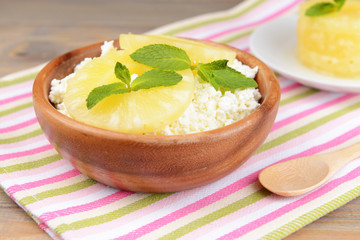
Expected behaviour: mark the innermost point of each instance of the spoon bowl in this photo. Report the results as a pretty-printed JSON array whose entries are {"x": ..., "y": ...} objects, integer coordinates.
[{"x": 301, "y": 175}]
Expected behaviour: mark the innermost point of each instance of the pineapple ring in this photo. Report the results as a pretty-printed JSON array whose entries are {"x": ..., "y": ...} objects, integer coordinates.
[
  {"x": 197, "y": 52},
  {"x": 136, "y": 112}
]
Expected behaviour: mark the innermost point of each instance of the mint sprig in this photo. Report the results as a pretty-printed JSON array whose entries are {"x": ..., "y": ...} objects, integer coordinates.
[
  {"x": 150, "y": 79},
  {"x": 218, "y": 74},
  {"x": 165, "y": 60},
  {"x": 323, "y": 8},
  {"x": 162, "y": 56}
]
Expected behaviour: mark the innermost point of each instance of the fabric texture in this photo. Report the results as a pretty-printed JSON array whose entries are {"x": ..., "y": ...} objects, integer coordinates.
[{"x": 69, "y": 205}]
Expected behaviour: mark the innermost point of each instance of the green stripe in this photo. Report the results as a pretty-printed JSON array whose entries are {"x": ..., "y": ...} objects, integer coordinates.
[
  {"x": 23, "y": 137},
  {"x": 237, "y": 36},
  {"x": 30, "y": 165},
  {"x": 307, "y": 128},
  {"x": 231, "y": 208},
  {"x": 112, "y": 215},
  {"x": 15, "y": 109},
  {"x": 25, "y": 78},
  {"x": 298, "y": 96},
  {"x": 57, "y": 192},
  {"x": 313, "y": 215},
  {"x": 213, "y": 20}
]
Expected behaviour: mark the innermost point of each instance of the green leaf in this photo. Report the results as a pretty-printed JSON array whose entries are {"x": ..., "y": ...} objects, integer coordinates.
[
  {"x": 122, "y": 73},
  {"x": 156, "y": 78},
  {"x": 162, "y": 56},
  {"x": 321, "y": 8},
  {"x": 339, "y": 4},
  {"x": 99, "y": 93},
  {"x": 208, "y": 76},
  {"x": 229, "y": 78},
  {"x": 205, "y": 71}
]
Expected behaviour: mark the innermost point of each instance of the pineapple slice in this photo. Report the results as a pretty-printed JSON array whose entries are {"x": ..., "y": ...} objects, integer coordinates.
[
  {"x": 330, "y": 43},
  {"x": 197, "y": 52},
  {"x": 136, "y": 112}
]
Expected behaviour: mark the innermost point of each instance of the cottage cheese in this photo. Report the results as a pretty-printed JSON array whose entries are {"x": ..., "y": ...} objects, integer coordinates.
[{"x": 209, "y": 109}]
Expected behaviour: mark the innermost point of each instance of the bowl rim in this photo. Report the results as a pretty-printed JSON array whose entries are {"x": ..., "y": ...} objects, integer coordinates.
[{"x": 41, "y": 99}]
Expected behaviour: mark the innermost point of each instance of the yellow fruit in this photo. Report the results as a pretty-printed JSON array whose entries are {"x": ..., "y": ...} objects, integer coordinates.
[
  {"x": 136, "y": 112},
  {"x": 331, "y": 43},
  {"x": 197, "y": 52}
]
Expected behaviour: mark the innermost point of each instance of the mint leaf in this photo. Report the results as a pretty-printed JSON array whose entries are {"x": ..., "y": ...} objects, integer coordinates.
[
  {"x": 122, "y": 73},
  {"x": 208, "y": 76},
  {"x": 339, "y": 4},
  {"x": 205, "y": 71},
  {"x": 162, "y": 56},
  {"x": 99, "y": 93},
  {"x": 229, "y": 78},
  {"x": 156, "y": 78},
  {"x": 321, "y": 8}
]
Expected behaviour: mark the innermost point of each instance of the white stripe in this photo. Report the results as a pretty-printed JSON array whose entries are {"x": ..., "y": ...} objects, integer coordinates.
[
  {"x": 30, "y": 146},
  {"x": 22, "y": 73},
  {"x": 20, "y": 119}
]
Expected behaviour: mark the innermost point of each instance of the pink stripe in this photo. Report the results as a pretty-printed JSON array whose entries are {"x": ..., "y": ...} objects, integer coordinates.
[
  {"x": 13, "y": 88},
  {"x": 133, "y": 216},
  {"x": 86, "y": 207},
  {"x": 12, "y": 99},
  {"x": 235, "y": 216},
  {"x": 277, "y": 213},
  {"x": 291, "y": 87},
  {"x": 229, "y": 190},
  {"x": 18, "y": 126},
  {"x": 249, "y": 16},
  {"x": 241, "y": 43},
  {"x": 284, "y": 10},
  {"x": 35, "y": 171},
  {"x": 66, "y": 197},
  {"x": 284, "y": 82},
  {"x": 298, "y": 140},
  {"x": 42, "y": 182},
  {"x": 22, "y": 145},
  {"x": 272, "y": 198},
  {"x": 310, "y": 100},
  {"x": 25, "y": 153},
  {"x": 10, "y": 117},
  {"x": 300, "y": 115}
]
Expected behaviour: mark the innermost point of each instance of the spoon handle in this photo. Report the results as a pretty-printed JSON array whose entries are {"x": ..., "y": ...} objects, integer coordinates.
[{"x": 339, "y": 158}]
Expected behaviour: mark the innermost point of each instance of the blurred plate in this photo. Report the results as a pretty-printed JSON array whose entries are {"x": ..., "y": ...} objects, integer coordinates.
[{"x": 275, "y": 44}]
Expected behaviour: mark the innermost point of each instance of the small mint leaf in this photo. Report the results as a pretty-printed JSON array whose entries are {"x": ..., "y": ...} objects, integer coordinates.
[
  {"x": 208, "y": 76},
  {"x": 99, "y": 93},
  {"x": 229, "y": 78},
  {"x": 122, "y": 73},
  {"x": 339, "y": 4},
  {"x": 321, "y": 8},
  {"x": 156, "y": 78},
  {"x": 216, "y": 65},
  {"x": 205, "y": 71},
  {"x": 162, "y": 56}
]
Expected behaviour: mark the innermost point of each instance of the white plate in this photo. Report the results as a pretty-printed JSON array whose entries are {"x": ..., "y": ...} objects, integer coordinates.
[{"x": 275, "y": 44}]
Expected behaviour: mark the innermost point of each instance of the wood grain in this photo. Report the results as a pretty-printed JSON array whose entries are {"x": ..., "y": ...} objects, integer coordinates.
[{"x": 32, "y": 32}]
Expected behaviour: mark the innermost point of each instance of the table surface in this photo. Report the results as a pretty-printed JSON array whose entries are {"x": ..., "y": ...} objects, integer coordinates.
[{"x": 33, "y": 32}]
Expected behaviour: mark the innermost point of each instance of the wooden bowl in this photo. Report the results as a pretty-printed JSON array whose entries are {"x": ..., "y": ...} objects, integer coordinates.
[{"x": 144, "y": 163}]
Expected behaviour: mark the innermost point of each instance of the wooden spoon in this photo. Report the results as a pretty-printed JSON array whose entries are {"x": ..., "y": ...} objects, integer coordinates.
[{"x": 301, "y": 175}]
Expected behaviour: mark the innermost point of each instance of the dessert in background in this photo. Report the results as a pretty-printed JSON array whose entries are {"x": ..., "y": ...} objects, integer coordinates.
[{"x": 329, "y": 37}]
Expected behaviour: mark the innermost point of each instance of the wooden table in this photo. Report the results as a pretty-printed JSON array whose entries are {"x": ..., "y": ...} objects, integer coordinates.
[{"x": 32, "y": 32}]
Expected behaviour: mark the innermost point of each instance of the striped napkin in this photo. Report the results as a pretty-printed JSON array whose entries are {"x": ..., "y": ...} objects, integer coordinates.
[{"x": 69, "y": 205}]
